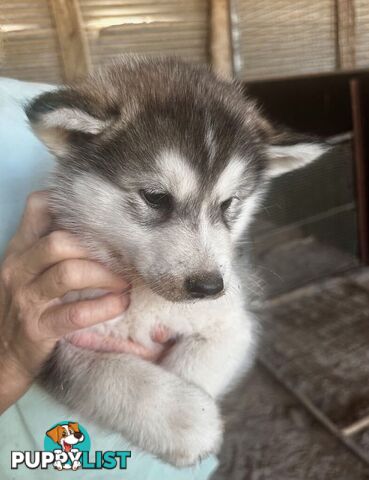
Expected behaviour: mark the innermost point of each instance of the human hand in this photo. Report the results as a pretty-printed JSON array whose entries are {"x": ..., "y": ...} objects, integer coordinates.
[
  {"x": 91, "y": 340},
  {"x": 38, "y": 269}
]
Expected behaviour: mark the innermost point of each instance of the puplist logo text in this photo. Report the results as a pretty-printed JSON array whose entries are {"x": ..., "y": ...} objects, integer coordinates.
[{"x": 67, "y": 447}]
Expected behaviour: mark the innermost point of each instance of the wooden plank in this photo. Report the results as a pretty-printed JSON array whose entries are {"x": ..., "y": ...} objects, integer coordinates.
[
  {"x": 345, "y": 34},
  {"x": 361, "y": 156},
  {"x": 72, "y": 39},
  {"x": 221, "y": 51}
]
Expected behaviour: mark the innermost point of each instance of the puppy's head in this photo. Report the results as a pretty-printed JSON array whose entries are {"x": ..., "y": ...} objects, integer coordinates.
[
  {"x": 160, "y": 168},
  {"x": 66, "y": 435}
]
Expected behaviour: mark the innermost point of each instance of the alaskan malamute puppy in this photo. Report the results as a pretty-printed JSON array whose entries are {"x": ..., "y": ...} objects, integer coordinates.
[{"x": 160, "y": 167}]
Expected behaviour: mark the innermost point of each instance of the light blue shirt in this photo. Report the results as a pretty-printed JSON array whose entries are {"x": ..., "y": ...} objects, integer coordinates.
[{"x": 24, "y": 166}]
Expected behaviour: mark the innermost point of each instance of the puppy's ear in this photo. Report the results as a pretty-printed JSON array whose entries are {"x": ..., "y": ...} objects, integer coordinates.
[
  {"x": 74, "y": 426},
  {"x": 55, "y": 433},
  {"x": 289, "y": 151},
  {"x": 61, "y": 116}
]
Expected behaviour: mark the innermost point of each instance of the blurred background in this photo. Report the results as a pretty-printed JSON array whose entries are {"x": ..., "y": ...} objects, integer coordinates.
[{"x": 304, "y": 411}]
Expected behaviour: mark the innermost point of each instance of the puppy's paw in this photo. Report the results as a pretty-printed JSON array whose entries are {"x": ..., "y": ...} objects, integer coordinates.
[
  {"x": 196, "y": 428},
  {"x": 58, "y": 466},
  {"x": 76, "y": 465}
]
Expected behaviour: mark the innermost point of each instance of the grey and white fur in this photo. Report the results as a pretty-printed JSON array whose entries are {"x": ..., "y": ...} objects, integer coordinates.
[{"x": 160, "y": 168}]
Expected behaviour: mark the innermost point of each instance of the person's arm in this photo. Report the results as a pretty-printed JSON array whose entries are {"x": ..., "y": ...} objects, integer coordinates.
[{"x": 37, "y": 270}]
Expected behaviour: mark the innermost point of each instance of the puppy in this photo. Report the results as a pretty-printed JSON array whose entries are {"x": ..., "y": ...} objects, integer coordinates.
[
  {"x": 66, "y": 436},
  {"x": 160, "y": 168}
]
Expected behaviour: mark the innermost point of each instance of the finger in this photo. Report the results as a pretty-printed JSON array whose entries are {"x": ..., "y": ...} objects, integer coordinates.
[
  {"x": 109, "y": 344},
  {"x": 161, "y": 334},
  {"x": 75, "y": 274},
  {"x": 49, "y": 250},
  {"x": 61, "y": 320},
  {"x": 34, "y": 224}
]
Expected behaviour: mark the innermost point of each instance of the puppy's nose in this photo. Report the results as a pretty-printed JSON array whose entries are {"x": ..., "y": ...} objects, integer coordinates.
[
  {"x": 78, "y": 435},
  {"x": 207, "y": 284}
]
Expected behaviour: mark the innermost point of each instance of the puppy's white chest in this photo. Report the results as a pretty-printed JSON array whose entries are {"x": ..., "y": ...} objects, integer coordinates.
[{"x": 149, "y": 311}]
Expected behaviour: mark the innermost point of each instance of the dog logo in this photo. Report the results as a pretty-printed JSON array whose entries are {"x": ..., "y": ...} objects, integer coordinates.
[
  {"x": 67, "y": 446},
  {"x": 67, "y": 435}
]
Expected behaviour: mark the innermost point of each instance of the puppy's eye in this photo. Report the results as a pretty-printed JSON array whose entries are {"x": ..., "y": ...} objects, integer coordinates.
[
  {"x": 158, "y": 200},
  {"x": 226, "y": 204}
]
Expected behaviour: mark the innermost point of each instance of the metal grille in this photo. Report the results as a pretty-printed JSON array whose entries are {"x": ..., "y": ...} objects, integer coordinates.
[{"x": 308, "y": 226}]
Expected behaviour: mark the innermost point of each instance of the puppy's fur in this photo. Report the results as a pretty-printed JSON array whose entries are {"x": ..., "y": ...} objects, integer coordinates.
[{"x": 164, "y": 130}]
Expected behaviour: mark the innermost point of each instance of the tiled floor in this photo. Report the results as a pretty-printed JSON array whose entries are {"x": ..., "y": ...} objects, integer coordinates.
[{"x": 289, "y": 420}]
